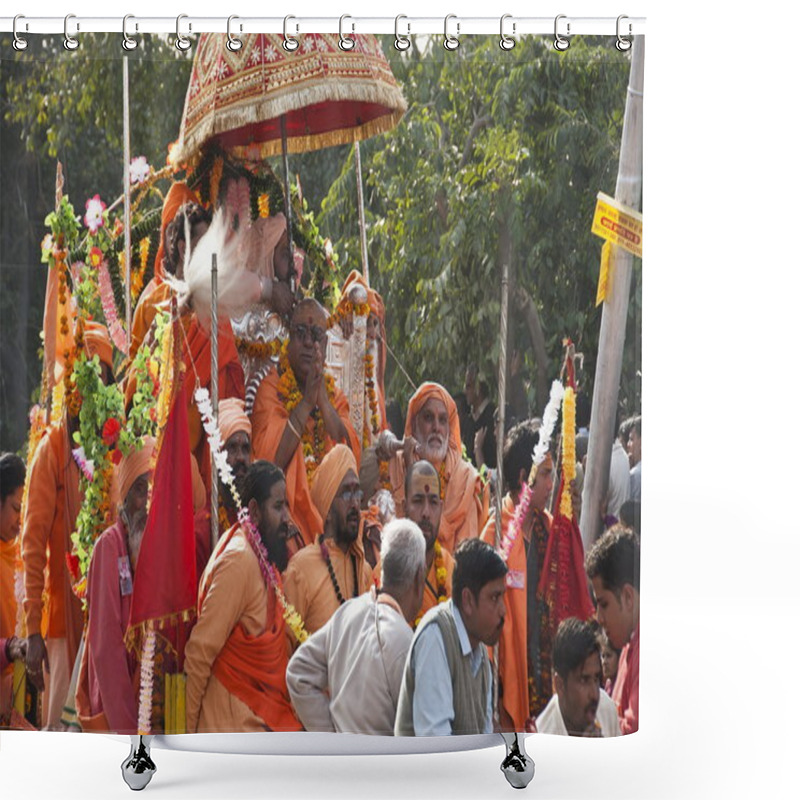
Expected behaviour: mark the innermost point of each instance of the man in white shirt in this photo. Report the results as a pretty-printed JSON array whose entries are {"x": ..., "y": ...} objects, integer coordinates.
[
  {"x": 579, "y": 707},
  {"x": 346, "y": 677},
  {"x": 619, "y": 474}
]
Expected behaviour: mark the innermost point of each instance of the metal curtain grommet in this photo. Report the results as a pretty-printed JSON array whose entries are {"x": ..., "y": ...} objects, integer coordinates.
[
  {"x": 70, "y": 42},
  {"x": 290, "y": 44},
  {"x": 560, "y": 43},
  {"x": 128, "y": 43},
  {"x": 623, "y": 42},
  {"x": 401, "y": 42},
  {"x": 506, "y": 42},
  {"x": 183, "y": 43},
  {"x": 451, "y": 42},
  {"x": 19, "y": 43},
  {"x": 233, "y": 44},
  {"x": 345, "y": 42}
]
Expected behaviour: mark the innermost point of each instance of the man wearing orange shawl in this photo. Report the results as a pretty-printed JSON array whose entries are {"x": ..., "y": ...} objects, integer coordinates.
[
  {"x": 237, "y": 654},
  {"x": 299, "y": 414},
  {"x": 52, "y": 507},
  {"x": 179, "y": 203},
  {"x": 106, "y": 696},
  {"x": 525, "y": 657},
  {"x": 12, "y": 484},
  {"x": 376, "y": 348},
  {"x": 433, "y": 433},
  {"x": 323, "y": 575}
]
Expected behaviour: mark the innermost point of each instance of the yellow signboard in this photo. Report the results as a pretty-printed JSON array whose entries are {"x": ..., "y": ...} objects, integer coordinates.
[{"x": 615, "y": 222}]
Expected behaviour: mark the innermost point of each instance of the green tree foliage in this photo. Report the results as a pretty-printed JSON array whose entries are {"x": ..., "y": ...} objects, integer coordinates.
[{"x": 523, "y": 140}]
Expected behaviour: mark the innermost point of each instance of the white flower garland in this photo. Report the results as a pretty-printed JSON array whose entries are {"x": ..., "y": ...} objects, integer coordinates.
[
  {"x": 549, "y": 419},
  {"x": 146, "y": 686}
]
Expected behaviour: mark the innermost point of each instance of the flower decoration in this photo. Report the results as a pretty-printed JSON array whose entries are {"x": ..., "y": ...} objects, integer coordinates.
[
  {"x": 47, "y": 248},
  {"x": 96, "y": 257},
  {"x": 93, "y": 219},
  {"x": 441, "y": 578},
  {"x": 139, "y": 170},
  {"x": 111, "y": 431}
]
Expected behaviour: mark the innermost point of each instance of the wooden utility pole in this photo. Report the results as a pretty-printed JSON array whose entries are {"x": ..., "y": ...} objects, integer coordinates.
[{"x": 602, "y": 427}]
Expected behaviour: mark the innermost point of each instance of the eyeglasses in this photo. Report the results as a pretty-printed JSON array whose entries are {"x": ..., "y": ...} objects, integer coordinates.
[
  {"x": 300, "y": 331},
  {"x": 348, "y": 497}
]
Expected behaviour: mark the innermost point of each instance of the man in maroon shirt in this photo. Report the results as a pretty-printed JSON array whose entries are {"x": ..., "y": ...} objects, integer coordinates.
[{"x": 613, "y": 568}]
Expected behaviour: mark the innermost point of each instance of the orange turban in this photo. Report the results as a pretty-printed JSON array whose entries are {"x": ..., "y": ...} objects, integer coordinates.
[
  {"x": 232, "y": 418},
  {"x": 133, "y": 465},
  {"x": 329, "y": 476},
  {"x": 421, "y": 396},
  {"x": 178, "y": 195},
  {"x": 97, "y": 342}
]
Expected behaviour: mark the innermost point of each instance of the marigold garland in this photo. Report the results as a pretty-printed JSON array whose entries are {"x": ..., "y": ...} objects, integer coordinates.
[
  {"x": 568, "y": 451},
  {"x": 345, "y": 309},
  {"x": 443, "y": 479},
  {"x": 263, "y": 206},
  {"x": 373, "y": 424},
  {"x": 313, "y": 442},
  {"x": 441, "y": 577},
  {"x": 269, "y": 349}
]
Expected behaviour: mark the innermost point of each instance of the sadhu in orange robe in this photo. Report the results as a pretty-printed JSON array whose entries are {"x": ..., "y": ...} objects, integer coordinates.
[
  {"x": 238, "y": 651},
  {"x": 466, "y": 500}
]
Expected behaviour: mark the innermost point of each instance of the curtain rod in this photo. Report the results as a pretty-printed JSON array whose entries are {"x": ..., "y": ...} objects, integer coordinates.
[{"x": 404, "y": 25}]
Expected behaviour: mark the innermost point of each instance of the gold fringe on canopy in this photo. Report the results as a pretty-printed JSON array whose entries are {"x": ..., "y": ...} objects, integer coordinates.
[{"x": 328, "y": 96}]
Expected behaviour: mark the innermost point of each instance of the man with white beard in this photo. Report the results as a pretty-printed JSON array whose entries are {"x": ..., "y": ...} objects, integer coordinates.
[
  {"x": 433, "y": 434},
  {"x": 106, "y": 698}
]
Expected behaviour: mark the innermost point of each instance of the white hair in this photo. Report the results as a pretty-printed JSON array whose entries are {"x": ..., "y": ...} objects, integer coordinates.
[{"x": 402, "y": 553}]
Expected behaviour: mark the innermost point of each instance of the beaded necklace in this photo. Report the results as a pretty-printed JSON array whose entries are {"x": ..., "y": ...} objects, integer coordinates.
[{"x": 327, "y": 558}]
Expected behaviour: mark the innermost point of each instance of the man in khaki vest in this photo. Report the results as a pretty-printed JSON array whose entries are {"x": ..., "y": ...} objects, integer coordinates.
[{"x": 447, "y": 684}]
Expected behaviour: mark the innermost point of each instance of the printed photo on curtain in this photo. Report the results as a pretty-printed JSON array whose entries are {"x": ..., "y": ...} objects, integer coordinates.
[{"x": 320, "y": 366}]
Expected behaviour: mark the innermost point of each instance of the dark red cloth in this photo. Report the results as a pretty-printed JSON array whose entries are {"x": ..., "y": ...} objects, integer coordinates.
[{"x": 166, "y": 580}]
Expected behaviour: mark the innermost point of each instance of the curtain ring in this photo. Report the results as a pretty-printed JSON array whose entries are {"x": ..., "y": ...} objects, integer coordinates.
[
  {"x": 70, "y": 42},
  {"x": 128, "y": 43},
  {"x": 401, "y": 42},
  {"x": 560, "y": 43},
  {"x": 506, "y": 42},
  {"x": 623, "y": 43},
  {"x": 233, "y": 44},
  {"x": 290, "y": 44},
  {"x": 451, "y": 42},
  {"x": 19, "y": 43},
  {"x": 183, "y": 43},
  {"x": 346, "y": 43}
]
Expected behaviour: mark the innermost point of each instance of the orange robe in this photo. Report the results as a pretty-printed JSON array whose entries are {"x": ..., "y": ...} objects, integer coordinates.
[
  {"x": 308, "y": 583},
  {"x": 269, "y": 419},
  {"x": 51, "y": 511},
  {"x": 513, "y": 656},
  {"x": 238, "y": 651},
  {"x": 9, "y": 557}
]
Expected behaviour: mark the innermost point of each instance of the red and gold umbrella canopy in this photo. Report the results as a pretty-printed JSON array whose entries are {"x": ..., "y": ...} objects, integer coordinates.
[{"x": 328, "y": 96}]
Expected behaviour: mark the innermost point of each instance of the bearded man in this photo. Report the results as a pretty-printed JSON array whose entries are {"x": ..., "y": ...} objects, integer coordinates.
[
  {"x": 433, "y": 433},
  {"x": 323, "y": 575},
  {"x": 299, "y": 414},
  {"x": 107, "y": 696},
  {"x": 237, "y": 653},
  {"x": 54, "y": 500}
]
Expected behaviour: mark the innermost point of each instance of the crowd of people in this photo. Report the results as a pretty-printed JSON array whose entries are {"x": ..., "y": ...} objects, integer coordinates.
[{"x": 379, "y": 545}]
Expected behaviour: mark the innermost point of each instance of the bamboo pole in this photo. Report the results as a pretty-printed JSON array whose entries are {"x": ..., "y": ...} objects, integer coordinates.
[
  {"x": 214, "y": 398},
  {"x": 126, "y": 184},
  {"x": 362, "y": 222},
  {"x": 615, "y": 312}
]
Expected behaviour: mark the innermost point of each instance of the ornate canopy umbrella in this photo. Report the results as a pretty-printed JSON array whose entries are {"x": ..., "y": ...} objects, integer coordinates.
[{"x": 326, "y": 96}]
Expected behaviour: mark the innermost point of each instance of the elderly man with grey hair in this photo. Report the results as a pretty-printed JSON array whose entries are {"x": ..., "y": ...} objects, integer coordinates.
[{"x": 346, "y": 677}]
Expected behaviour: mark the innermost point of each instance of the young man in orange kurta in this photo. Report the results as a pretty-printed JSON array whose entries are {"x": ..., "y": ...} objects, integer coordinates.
[
  {"x": 323, "y": 575},
  {"x": 238, "y": 651},
  {"x": 525, "y": 658},
  {"x": 433, "y": 433},
  {"x": 299, "y": 414},
  {"x": 52, "y": 507}
]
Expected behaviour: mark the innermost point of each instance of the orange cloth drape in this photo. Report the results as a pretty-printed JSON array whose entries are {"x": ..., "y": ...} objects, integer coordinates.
[
  {"x": 269, "y": 422},
  {"x": 466, "y": 501},
  {"x": 253, "y": 668},
  {"x": 9, "y": 556}
]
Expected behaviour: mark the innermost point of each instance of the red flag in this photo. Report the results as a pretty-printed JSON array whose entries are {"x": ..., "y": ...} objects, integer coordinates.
[{"x": 165, "y": 585}]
